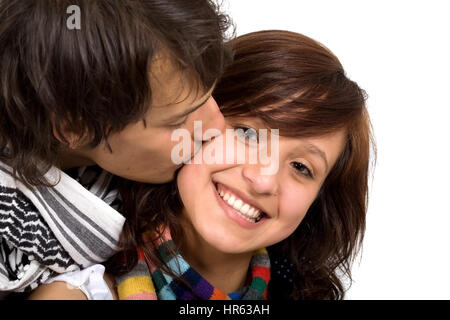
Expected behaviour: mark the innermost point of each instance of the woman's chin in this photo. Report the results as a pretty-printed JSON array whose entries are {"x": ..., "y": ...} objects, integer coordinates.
[{"x": 223, "y": 241}]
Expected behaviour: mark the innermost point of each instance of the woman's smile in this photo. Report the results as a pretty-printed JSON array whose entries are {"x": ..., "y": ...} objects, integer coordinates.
[{"x": 239, "y": 207}]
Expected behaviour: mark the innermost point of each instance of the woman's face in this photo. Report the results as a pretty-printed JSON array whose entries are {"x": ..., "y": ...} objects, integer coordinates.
[{"x": 236, "y": 208}]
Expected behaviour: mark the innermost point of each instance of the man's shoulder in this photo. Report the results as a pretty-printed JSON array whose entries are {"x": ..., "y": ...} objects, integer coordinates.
[
  {"x": 7, "y": 176},
  {"x": 12, "y": 199},
  {"x": 10, "y": 194}
]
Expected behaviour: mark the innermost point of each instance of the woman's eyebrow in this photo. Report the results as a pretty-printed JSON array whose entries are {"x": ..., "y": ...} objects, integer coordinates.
[{"x": 313, "y": 149}]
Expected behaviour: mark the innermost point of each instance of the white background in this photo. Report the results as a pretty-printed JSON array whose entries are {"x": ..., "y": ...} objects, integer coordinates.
[{"x": 399, "y": 52}]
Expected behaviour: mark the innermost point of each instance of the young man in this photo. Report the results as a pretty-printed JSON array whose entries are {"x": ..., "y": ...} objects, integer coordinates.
[{"x": 80, "y": 107}]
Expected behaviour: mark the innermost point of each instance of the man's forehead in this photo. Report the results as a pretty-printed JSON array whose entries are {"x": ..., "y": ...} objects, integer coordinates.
[{"x": 172, "y": 86}]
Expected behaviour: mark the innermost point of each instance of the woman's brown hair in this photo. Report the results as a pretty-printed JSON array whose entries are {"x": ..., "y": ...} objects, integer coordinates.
[
  {"x": 296, "y": 85},
  {"x": 93, "y": 81}
]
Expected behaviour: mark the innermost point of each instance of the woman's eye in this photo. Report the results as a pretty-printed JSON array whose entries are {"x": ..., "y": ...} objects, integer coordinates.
[
  {"x": 245, "y": 132},
  {"x": 302, "y": 169}
]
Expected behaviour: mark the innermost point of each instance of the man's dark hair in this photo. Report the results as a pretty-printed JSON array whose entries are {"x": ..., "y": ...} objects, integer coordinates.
[{"x": 93, "y": 81}]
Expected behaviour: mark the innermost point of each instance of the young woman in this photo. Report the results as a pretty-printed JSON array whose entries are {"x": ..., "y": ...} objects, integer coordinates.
[{"x": 228, "y": 231}]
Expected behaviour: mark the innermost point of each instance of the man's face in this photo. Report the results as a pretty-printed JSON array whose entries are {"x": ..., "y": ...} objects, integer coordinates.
[{"x": 142, "y": 151}]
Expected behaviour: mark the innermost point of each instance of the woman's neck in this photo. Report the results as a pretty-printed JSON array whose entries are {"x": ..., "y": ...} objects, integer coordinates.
[{"x": 227, "y": 272}]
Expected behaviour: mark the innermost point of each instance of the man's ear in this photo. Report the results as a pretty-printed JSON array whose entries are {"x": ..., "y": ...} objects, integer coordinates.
[{"x": 65, "y": 135}]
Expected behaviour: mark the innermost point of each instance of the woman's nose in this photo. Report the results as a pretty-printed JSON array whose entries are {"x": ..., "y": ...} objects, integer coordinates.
[{"x": 262, "y": 184}]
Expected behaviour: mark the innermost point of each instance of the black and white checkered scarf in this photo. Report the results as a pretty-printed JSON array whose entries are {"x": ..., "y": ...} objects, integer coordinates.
[{"x": 45, "y": 231}]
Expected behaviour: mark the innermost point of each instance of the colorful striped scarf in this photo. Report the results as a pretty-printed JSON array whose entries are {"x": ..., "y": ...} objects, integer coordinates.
[{"x": 145, "y": 282}]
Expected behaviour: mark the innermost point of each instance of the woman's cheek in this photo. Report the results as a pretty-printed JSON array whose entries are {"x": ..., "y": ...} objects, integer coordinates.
[
  {"x": 294, "y": 207},
  {"x": 185, "y": 186}
]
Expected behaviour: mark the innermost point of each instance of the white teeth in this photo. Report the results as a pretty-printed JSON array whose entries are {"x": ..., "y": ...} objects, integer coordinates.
[
  {"x": 231, "y": 200},
  {"x": 245, "y": 208},
  {"x": 238, "y": 204},
  {"x": 248, "y": 212}
]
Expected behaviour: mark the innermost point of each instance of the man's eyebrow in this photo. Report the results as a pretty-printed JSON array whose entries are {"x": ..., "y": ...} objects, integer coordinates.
[
  {"x": 310, "y": 148},
  {"x": 185, "y": 113}
]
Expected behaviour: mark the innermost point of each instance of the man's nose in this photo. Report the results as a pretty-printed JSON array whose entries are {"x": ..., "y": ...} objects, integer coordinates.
[{"x": 211, "y": 118}]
